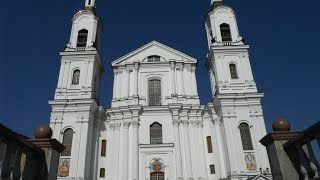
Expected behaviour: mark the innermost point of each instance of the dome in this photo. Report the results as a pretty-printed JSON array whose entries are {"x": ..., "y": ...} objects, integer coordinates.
[
  {"x": 281, "y": 124},
  {"x": 43, "y": 132}
]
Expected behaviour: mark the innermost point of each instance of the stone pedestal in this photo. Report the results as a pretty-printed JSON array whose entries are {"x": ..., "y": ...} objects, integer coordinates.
[
  {"x": 281, "y": 165},
  {"x": 52, "y": 149}
]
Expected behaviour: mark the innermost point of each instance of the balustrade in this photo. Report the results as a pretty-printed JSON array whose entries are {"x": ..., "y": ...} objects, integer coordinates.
[
  {"x": 306, "y": 163},
  {"x": 23, "y": 158}
]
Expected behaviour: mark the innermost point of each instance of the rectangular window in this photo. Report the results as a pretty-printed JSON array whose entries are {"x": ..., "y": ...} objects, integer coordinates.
[
  {"x": 209, "y": 144},
  {"x": 103, "y": 148},
  {"x": 154, "y": 92},
  {"x": 212, "y": 169},
  {"x": 102, "y": 173}
]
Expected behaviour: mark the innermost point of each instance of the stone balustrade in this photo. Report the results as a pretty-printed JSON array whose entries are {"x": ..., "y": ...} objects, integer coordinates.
[{"x": 24, "y": 158}]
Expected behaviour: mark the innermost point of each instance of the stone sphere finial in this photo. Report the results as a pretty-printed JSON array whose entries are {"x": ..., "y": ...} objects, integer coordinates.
[
  {"x": 281, "y": 124},
  {"x": 43, "y": 132}
]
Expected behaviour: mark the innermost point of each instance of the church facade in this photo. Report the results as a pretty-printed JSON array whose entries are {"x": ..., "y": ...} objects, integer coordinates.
[{"x": 156, "y": 128}]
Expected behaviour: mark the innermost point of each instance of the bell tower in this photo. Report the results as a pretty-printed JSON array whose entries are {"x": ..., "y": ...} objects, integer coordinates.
[
  {"x": 76, "y": 100},
  {"x": 237, "y": 101}
]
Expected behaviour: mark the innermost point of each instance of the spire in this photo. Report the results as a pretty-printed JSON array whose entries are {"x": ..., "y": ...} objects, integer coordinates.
[{"x": 90, "y": 4}]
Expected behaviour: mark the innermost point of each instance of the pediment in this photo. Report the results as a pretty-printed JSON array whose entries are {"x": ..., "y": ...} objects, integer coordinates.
[{"x": 154, "y": 48}]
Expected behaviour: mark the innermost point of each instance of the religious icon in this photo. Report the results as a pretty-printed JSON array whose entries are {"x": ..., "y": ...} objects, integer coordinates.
[
  {"x": 251, "y": 163},
  {"x": 156, "y": 166},
  {"x": 64, "y": 166}
]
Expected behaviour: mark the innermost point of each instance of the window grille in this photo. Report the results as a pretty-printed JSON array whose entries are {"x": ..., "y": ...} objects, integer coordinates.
[
  {"x": 225, "y": 32},
  {"x": 76, "y": 77},
  {"x": 67, "y": 142},
  {"x": 155, "y": 133},
  {"x": 209, "y": 144},
  {"x": 154, "y": 92},
  {"x": 102, "y": 172},
  {"x": 153, "y": 58},
  {"x": 212, "y": 169},
  {"x": 82, "y": 38},
  {"x": 246, "y": 136},
  {"x": 233, "y": 71},
  {"x": 103, "y": 147},
  {"x": 157, "y": 176}
]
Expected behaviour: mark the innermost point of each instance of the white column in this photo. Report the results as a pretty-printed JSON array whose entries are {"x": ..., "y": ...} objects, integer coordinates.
[
  {"x": 125, "y": 150},
  {"x": 115, "y": 84},
  {"x": 67, "y": 74},
  {"x": 177, "y": 146},
  {"x": 187, "y": 149},
  {"x": 110, "y": 156},
  {"x": 89, "y": 82},
  {"x": 173, "y": 78},
  {"x": 135, "y": 151},
  {"x": 128, "y": 83},
  {"x": 182, "y": 80},
  {"x": 179, "y": 79},
  {"x": 194, "y": 81},
  {"x": 131, "y": 83},
  {"x": 61, "y": 73},
  {"x": 202, "y": 151},
  {"x": 194, "y": 147},
  {"x": 116, "y": 142},
  {"x": 221, "y": 154},
  {"x": 119, "y": 79},
  {"x": 135, "y": 79},
  {"x": 124, "y": 83}
]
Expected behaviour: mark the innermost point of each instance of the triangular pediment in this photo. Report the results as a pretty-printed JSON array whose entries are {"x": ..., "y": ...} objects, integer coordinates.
[{"x": 153, "y": 48}]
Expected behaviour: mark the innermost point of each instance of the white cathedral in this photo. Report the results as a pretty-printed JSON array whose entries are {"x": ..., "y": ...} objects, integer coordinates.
[{"x": 156, "y": 128}]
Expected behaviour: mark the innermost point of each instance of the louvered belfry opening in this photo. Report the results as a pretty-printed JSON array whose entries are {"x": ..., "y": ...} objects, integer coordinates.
[
  {"x": 82, "y": 38},
  {"x": 154, "y": 92},
  {"x": 225, "y": 32}
]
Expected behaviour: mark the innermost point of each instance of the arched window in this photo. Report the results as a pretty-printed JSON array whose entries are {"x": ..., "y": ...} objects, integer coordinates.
[
  {"x": 103, "y": 148},
  {"x": 225, "y": 32},
  {"x": 102, "y": 172},
  {"x": 209, "y": 144},
  {"x": 76, "y": 77},
  {"x": 82, "y": 38},
  {"x": 155, "y": 133},
  {"x": 245, "y": 136},
  {"x": 233, "y": 71},
  {"x": 153, "y": 58},
  {"x": 212, "y": 169},
  {"x": 154, "y": 87},
  {"x": 67, "y": 142}
]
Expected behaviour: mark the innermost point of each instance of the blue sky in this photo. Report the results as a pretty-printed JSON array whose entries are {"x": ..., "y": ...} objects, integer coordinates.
[{"x": 284, "y": 39}]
